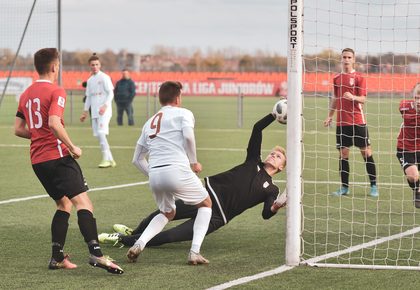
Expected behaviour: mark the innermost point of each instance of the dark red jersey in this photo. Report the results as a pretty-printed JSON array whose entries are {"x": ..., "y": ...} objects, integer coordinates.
[
  {"x": 409, "y": 136},
  {"x": 349, "y": 112},
  {"x": 41, "y": 100}
]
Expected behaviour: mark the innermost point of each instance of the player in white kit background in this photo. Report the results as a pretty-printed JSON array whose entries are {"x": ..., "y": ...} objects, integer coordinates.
[
  {"x": 168, "y": 140},
  {"x": 99, "y": 95}
]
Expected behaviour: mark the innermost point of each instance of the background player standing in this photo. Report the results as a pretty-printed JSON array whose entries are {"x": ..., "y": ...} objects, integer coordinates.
[
  {"x": 349, "y": 97},
  {"x": 99, "y": 95},
  {"x": 168, "y": 139},
  {"x": 408, "y": 142},
  {"x": 40, "y": 118}
]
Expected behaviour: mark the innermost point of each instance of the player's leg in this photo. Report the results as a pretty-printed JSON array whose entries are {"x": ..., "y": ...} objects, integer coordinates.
[
  {"x": 51, "y": 174},
  {"x": 183, "y": 211},
  {"x": 59, "y": 227},
  {"x": 88, "y": 228},
  {"x": 344, "y": 141},
  {"x": 408, "y": 161},
  {"x": 102, "y": 130},
  {"x": 363, "y": 142},
  {"x": 200, "y": 228},
  {"x": 161, "y": 183},
  {"x": 120, "y": 112}
]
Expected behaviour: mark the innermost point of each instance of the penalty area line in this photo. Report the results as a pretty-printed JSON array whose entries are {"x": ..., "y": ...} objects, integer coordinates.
[{"x": 13, "y": 200}]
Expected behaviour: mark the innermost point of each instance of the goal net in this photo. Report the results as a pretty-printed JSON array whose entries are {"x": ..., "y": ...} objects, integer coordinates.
[
  {"x": 358, "y": 230},
  {"x": 25, "y": 27}
]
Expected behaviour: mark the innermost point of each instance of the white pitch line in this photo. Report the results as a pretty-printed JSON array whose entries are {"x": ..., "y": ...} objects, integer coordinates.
[
  {"x": 248, "y": 279},
  {"x": 372, "y": 243},
  {"x": 91, "y": 190}
]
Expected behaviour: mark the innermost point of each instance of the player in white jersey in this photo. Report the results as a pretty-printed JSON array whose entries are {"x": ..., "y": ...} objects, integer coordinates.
[
  {"x": 168, "y": 140},
  {"x": 99, "y": 95}
]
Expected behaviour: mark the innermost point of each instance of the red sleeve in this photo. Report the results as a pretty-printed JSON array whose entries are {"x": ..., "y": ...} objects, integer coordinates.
[
  {"x": 336, "y": 88},
  {"x": 361, "y": 86},
  {"x": 20, "y": 110},
  {"x": 58, "y": 103}
]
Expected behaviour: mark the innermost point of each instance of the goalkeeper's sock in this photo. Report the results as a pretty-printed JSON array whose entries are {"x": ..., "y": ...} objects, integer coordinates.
[
  {"x": 371, "y": 169},
  {"x": 344, "y": 171}
]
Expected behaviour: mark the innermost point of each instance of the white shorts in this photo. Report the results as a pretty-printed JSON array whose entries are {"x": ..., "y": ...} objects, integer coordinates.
[
  {"x": 101, "y": 125},
  {"x": 175, "y": 182}
]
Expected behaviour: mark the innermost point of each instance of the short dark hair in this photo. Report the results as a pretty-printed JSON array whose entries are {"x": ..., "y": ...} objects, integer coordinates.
[
  {"x": 347, "y": 49},
  {"x": 169, "y": 91},
  {"x": 43, "y": 59},
  {"x": 93, "y": 57}
]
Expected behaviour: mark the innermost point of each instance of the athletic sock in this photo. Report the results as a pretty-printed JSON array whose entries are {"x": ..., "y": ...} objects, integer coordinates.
[
  {"x": 87, "y": 226},
  {"x": 201, "y": 225},
  {"x": 155, "y": 226},
  {"x": 106, "y": 151},
  {"x": 371, "y": 169},
  {"x": 59, "y": 226},
  {"x": 414, "y": 185},
  {"x": 344, "y": 171}
]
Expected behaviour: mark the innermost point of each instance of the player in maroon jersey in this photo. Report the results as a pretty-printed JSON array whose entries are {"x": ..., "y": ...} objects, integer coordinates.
[
  {"x": 349, "y": 97},
  {"x": 39, "y": 118},
  {"x": 408, "y": 142}
]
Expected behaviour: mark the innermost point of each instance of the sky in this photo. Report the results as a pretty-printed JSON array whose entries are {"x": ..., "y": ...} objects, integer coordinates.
[
  {"x": 370, "y": 27},
  {"x": 139, "y": 25}
]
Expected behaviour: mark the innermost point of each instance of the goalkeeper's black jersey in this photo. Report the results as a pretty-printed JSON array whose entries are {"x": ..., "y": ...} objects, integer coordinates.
[{"x": 247, "y": 184}]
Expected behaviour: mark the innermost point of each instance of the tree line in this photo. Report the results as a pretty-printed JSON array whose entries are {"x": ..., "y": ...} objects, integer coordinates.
[{"x": 164, "y": 58}]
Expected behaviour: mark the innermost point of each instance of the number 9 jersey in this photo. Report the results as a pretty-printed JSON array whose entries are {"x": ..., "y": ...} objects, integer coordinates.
[
  {"x": 162, "y": 136},
  {"x": 41, "y": 100}
]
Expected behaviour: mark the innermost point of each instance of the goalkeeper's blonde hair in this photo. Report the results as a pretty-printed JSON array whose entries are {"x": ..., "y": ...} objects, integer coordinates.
[{"x": 283, "y": 151}]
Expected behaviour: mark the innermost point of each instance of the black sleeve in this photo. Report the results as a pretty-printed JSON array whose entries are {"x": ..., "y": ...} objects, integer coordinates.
[
  {"x": 254, "y": 144},
  {"x": 115, "y": 89},
  {"x": 20, "y": 115},
  {"x": 267, "y": 213}
]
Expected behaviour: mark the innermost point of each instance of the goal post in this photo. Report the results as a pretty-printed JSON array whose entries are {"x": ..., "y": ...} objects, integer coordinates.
[
  {"x": 294, "y": 132},
  {"x": 357, "y": 230}
]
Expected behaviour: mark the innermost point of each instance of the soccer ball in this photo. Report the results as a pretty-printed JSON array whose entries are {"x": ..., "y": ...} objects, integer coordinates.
[{"x": 280, "y": 111}]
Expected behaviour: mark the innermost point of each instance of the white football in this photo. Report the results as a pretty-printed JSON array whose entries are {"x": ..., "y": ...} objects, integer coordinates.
[{"x": 280, "y": 111}]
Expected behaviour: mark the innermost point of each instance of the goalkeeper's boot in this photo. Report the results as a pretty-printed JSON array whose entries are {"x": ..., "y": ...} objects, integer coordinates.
[
  {"x": 133, "y": 253},
  {"x": 65, "y": 264},
  {"x": 196, "y": 259},
  {"x": 374, "y": 191},
  {"x": 106, "y": 263},
  {"x": 113, "y": 239},
  {"x": 113, "y": 163},
  {"x": 122, "y": 229},
  {"x": 417, "y": 199},
  {"x": 341, "y": 191}
]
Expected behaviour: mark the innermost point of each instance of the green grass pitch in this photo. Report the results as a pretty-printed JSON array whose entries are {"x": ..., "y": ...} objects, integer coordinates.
[{"x": 246, "y": 246}]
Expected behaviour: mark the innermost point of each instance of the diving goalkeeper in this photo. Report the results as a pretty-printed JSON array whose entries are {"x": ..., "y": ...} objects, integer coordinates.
[{"x": 232, "y": 192}]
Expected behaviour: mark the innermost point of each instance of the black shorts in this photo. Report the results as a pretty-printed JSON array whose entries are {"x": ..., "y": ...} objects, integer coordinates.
[
  {"x": 407, "y": 159},
  {"x": 61, "y": 177},
  {"x": 347, "y": 136}
]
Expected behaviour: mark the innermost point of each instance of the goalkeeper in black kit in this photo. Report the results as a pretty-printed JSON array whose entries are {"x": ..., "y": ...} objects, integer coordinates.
[{"x": 232, "y": 192}]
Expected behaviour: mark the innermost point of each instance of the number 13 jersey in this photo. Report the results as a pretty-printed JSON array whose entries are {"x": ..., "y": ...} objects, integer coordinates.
[
  {"x": 162, "y": 136},
  {"x": 41, "y": 100}
]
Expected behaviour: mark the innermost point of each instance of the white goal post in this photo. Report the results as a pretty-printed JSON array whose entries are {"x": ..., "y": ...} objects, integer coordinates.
[{"x": 357, "y": 230}]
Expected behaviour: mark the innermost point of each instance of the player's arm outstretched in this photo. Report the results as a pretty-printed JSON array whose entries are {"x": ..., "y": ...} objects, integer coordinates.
[{"x": 254, "y": 144}]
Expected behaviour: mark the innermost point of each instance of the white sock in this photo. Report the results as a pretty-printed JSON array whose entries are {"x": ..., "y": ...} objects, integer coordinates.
[
  {"x": 201, "y": 225},
  {"x": 155, "y": 226},
  {"x": 106, "y": 151}
]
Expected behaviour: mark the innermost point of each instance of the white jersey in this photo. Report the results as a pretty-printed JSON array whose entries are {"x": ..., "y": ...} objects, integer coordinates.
[
  {"x": 99, "y": 91},
  {"x": 163, "y": 138}
]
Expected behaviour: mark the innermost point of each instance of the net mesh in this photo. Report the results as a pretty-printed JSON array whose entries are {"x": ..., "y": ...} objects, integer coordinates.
[{"x": 385, "y": 35}]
